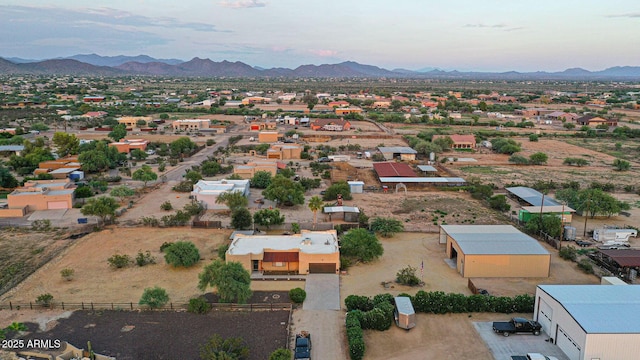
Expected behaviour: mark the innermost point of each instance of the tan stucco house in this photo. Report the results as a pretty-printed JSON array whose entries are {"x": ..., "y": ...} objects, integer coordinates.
[{"x": 305, "y": 253}]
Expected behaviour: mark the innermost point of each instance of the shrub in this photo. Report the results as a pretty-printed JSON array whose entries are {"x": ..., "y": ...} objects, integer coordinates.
[
  {"x": 119, "y": 261},
  {"x": 166, "y": 205},
  {"x": 210, "y": 142},
  {"x": 165, "y": 245},
  {"x": 295, "y": 228},
  {"x": 222, "y": 251},
  {"x": 533, "y": 137},
  {"x": 143, "y": 259},
  {"x": 297, "y": 295},
  {"x": 182, "y": 253},
  {"x": 193, "y": 208},
  {"x": 281, "y": 354},
  {"x": 41, "y": 225},
  {"x": 499, "y": 202},
  {"x": 44, "y": 299},
  {"x": 357, "y": 302},
  {"x": 150, "y": 221},
  {"x": 378, "y": 318},
  {"x": 568, "y": 253},
  {"x": 356, "y": 342},
  {"x": 586, "y": 265},
  {"x": 183, "y": 186},
  {"x": 361, "y": 245},
  {"x": 154, "y": 298},
  {"x": 67, "y": 273},
  {"x": 407, "y": 276},
  {"x": 386, "y": 227},
  {"x": 198, "y": 305}
]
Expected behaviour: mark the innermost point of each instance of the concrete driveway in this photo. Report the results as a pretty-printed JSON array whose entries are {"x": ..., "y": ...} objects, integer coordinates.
[
  {"x": 323, "y": 292},
  {"x": 503, "y": 347}
]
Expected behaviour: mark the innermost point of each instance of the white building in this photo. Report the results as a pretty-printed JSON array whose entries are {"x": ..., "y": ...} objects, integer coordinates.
[
  {"x": 590, "y": 322},
  {"x": 207, "y": 192}
]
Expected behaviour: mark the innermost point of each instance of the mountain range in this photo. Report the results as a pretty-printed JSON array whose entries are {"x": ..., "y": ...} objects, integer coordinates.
[{"x": 97, "y": 65}]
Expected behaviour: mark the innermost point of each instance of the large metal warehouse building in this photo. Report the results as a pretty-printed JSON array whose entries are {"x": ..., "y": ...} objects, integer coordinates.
[
  {"x": 494, "y": 251},
  {"x": 591, "y": 321}
]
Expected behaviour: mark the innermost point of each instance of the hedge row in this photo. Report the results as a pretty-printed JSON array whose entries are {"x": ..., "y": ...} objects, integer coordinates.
[
  {"x": 377, "y": 313},
  {"x": 354, "y": 336}
]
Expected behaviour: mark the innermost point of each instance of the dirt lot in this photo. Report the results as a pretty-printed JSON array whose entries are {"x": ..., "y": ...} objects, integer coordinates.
[
  {"x": 496, "y": 169},
  {"x": 95, "y": 281},
  {"x": 21, "y": 252},
  {"x": 435, "y": 335},
  {"x": 138, "y": 335}
]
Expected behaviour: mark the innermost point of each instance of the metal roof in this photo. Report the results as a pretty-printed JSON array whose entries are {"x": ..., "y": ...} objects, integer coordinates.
[
  {"x": 63, "y": 170},
  {"x": 624, "y": 257},
  {"x": 600, "y": 309},
  {"x": 425, "y": 180},
  {"x": 11, "y": 147},
  {"x": 428, "y": 168},
  {"x": 385, "y": 169},
  {"x": 493, "y": 240},
  {"x": 338, "y": 209},
  {"x": 532, "y": 196},
  {"x": 397, "y": 150},
  {"x": 404, "y": 305},
  {"x": 548, "y": 209}
]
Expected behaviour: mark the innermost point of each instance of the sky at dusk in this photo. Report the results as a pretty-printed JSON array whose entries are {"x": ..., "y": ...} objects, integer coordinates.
[{"x": 487, "y": 35}]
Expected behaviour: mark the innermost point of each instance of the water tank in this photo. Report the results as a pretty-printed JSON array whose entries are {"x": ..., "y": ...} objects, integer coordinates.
[
  {"x": 432, "y": 156},
  {"x": 569, "y": 233},
  {"x": 633, "y": 274}
]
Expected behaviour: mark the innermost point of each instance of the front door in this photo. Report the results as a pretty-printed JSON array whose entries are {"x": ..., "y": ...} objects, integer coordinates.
[{"x": 255, "y": 265}]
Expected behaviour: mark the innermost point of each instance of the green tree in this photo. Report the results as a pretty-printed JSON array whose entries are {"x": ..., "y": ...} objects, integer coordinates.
[
  {"x": 499, "y": 202},
  {"x": 231, "y": 280},
  {"x": 118, "y": 132},
  {"x": 386, "y": 227},
  {"x": 268, "y": 217},
  {"x": 182, "y": 254},
  {"x": 505, "y": 146},
  {"x": 66, "y": 144},
  {"x": 210, "y": 168},
  {"x": 7, "y": 180},
  {"x": 144, "y": 174},
  {"x": 138, "y": 154},
  {"x": 445, "y": 143},
  {"x": 340, "y": 187},
  {"x": 315, "y": 204},
  {"x": 122, "y": 192},
  {"x": 193, "y": 176},
  {"x": 103, "y": 207},
  {"x": 261, "y": 179},
  {"x": 182, "y": 147},
  {"x": 361, "y": 245},
  {"x": 284, "y": 191},
  {"x": 154, "y": 298},
  {"x": 83, "y": 192},
  {"x": 233, "y": 200},
  {"x": 217, "y": 348},
  {"x": 241, "y": 218},
  {"x": 549, "y": 224},
  {"x": 538, "y": 158},
  {"x": 621, "y": 165}
]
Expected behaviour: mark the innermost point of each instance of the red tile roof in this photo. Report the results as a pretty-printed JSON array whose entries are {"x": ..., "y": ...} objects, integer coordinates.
[{"x": 391, "y": 169}]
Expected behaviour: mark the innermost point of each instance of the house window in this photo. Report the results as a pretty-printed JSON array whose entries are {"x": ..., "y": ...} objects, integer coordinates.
[{"x": 278, "y": 264}]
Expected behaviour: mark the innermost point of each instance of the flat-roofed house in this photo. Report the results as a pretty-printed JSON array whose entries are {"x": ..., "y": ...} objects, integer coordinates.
[
  {"x": 207, "y": 192},
  {"x": 305, "y": 253}
]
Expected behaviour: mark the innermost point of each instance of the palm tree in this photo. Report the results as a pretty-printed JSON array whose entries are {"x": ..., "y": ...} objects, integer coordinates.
[{"x": 315, "y": 204}]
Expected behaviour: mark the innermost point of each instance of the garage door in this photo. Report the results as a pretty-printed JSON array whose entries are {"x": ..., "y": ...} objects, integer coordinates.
[
  {"x": 567, "y": 345},
  {"x": 321, "y": 268},
  {"x": 545, "y": 313},
  {"x": 52, "y": 205}
]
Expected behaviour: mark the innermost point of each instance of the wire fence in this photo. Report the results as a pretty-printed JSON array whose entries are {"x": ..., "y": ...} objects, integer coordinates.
[{"x": 134, "y": 306}]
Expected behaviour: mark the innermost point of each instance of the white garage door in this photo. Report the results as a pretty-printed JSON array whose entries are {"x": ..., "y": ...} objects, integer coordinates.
[
  {"x": 52, "y": 205},
  {"x": 567, "y": 345},
  {"x": 545, "y": 313}
]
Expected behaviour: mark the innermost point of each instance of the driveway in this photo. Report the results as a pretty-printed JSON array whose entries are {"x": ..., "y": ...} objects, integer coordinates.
[
  {"x": 503, "y": 347},
  {"x": 323, "y": 292}
]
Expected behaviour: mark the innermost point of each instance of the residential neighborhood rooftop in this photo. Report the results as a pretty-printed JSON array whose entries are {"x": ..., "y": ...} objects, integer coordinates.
[{"x": 311, "y": 242}]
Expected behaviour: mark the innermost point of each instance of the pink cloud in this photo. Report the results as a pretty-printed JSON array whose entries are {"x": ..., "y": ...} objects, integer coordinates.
[{"x": 324, "y": 53}]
